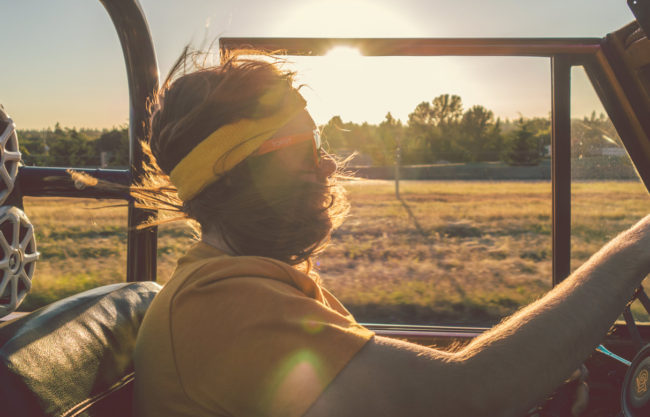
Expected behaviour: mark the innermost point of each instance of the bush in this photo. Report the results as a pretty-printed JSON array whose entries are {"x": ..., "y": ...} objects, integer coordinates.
[{"x": 523, "y": 146}]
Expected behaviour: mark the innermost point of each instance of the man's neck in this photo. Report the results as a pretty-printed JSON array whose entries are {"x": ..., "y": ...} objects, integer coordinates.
[{"x": 217, "y": 241}]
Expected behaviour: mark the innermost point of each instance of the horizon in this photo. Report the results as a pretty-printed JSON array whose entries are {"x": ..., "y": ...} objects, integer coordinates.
[{"x": 125, "y": 125}]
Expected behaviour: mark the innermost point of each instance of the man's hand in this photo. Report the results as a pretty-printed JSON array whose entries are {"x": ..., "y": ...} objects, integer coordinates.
[
  {"x": 581, "y": 393},
  {"x": 569, "y": 400}
]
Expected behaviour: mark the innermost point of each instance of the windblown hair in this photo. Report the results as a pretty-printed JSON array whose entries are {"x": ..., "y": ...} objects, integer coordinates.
[{"x": 259, "y": 207}]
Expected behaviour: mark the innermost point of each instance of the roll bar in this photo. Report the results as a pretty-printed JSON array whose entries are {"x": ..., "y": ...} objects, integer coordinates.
[{"x": 142, "y": 73}]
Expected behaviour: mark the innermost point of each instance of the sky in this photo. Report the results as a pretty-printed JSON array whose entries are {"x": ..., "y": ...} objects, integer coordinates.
[{"x": 62, "y": 60}]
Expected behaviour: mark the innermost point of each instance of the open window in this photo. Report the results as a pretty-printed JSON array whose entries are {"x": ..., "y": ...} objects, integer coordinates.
[{"x": 471, "y": 252}]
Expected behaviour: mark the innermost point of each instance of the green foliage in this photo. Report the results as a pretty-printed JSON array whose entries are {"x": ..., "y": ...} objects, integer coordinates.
[
  {"x": 63, "y": 146},
  {"x": 437, "y": 131},
  {"x": 523, "y": 146},
  {"x": 434, "y": 132},
  {"x": 591, "y": 134},
  {"x": 390, "y": 138},
  {"x": 115, "y": 144},
  {"x": 375, "y": 144},
  {"x": 480, "y": 135},
  {"x": 334, "y": 133},
  {"x": 70, "y": 147},
  {"x": 442, "y": 131}
]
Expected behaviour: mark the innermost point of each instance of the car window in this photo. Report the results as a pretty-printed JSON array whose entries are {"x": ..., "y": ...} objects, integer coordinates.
[{"x": 464, "y": 237}]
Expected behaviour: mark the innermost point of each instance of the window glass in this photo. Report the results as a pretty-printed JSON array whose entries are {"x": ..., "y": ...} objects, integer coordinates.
[{"x": 607, "y": 196}]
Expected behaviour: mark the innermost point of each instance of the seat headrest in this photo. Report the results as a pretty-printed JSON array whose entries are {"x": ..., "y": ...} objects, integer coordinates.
[{"x": 64, "y": 355}]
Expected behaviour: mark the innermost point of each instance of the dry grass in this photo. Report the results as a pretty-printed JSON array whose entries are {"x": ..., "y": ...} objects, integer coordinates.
[
  {"x": 448, "y": 252},
  {"x": 83, "y": 245},
  {"x": 463, "y": 252}
]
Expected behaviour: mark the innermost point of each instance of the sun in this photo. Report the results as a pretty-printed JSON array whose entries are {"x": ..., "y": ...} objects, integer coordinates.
[
  {"x": 343, "y": 52},
  {"x": 332, "y": 81},
  {"x": 341, "y": 18}
]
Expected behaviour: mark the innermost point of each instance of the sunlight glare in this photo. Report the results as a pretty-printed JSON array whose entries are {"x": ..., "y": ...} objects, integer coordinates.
[
  {"x": 343, "y": 52},
  {"x": 362, "y": 88}
]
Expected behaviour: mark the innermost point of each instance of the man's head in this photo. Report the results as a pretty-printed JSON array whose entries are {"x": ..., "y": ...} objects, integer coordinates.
[{"x": 243, "y": 152}]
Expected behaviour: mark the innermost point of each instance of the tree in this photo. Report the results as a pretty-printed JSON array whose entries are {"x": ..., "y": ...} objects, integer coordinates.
[
  {"x": 542, "y": 128},
  {"x": 348, "y": 138},
  {"x": 523, "y": 146},
  {"x": 334, "y": 135},
  {"x": 433, "y": 131},
  {"x": 33, "y": 146},
  {"x": 446, "y": 109},
  {"x": 422, "y": 115},
  {"x": 389, "y": 135},
  {"x": 481, "y": 137},
  {"x": 591, "y": 134},
  {"x": 416, "y": 149},
  {"x": 70, "y": 148},
  {"x": 116, "y": 143}
]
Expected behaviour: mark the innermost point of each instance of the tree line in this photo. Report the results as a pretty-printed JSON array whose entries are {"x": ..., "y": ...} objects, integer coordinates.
[
  {"x": 63, "y": 146},
  {"x": 442, "y": 131},
  {"x": 437, "y": 131}
]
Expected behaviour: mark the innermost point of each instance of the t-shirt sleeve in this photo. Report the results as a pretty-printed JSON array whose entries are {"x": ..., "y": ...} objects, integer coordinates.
[{"x": 258, "y": 347}]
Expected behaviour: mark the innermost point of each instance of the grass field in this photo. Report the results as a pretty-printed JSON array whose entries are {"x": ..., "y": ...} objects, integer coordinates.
[{"x": 447, "y": 252}]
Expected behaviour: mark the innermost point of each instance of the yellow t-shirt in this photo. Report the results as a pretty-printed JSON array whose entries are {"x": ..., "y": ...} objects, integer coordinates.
[{"x": 240, "y": 336}]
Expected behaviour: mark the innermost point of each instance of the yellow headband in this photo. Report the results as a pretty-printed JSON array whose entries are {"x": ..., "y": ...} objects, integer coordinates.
[{"x": 231, "y": 144}]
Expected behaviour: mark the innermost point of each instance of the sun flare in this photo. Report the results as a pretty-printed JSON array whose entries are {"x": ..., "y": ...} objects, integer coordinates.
[
  {"x": 343, "y": 52},
  {"x": 360, "y": 88}
]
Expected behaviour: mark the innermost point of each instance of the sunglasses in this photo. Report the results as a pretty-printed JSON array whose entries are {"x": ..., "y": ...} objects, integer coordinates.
[{"x": 281, "y": 142}]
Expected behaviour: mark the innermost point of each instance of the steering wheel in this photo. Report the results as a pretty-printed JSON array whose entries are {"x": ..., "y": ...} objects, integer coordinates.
[{"x": 635, "y": 394}]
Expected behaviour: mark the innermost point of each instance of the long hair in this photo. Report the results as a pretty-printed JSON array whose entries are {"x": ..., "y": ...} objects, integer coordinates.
[{"x": 259, "y": 207}]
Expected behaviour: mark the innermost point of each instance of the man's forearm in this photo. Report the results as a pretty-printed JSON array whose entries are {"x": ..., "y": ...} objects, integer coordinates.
[
  {"x": 535, "y": 349},
  {"x": 508, "y": 369}
]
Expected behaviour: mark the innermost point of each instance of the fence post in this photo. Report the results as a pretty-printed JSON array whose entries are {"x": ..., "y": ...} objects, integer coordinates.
[{"x": 398, "y": 160}]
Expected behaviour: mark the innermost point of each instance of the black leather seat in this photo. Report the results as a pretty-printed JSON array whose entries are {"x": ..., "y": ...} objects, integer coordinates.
[{"x": 74, "y": 357}]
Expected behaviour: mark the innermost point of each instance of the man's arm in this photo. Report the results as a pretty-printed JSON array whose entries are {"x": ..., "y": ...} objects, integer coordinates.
[{"x": 507, "y": 370}]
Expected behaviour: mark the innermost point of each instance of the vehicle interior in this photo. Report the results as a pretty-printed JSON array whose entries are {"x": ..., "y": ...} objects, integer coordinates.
[{"x": 73, "y": 357}]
